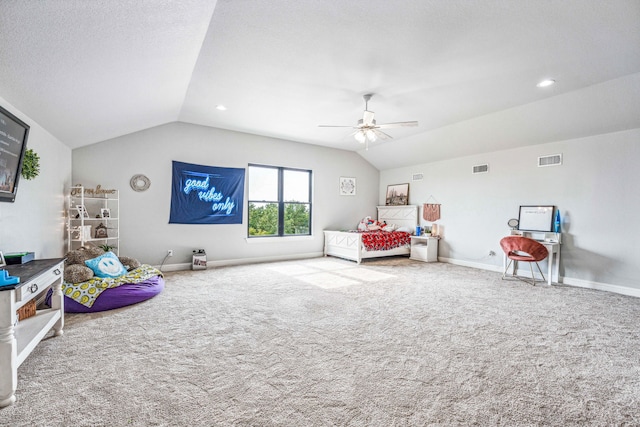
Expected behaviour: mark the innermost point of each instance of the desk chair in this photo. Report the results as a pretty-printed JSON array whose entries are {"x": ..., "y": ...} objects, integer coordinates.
[{"x": 518, "y": 248}]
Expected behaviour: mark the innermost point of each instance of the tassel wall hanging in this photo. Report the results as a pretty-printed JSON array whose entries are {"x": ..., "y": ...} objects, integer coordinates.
[{"x": 431, "y": 211}]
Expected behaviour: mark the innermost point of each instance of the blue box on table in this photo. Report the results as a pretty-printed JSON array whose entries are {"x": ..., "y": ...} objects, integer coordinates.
[{"x": 19, "y": 257}]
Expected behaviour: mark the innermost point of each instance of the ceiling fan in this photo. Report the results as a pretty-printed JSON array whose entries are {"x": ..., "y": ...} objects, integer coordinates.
[{"x": 367, "y": 130}]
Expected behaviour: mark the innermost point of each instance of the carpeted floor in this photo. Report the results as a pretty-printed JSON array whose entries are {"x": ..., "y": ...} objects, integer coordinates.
[{"x": 325, "y": 342}]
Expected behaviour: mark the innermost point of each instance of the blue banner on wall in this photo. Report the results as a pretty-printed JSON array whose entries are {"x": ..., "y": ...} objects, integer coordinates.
[{"x": 206, "y": 194}]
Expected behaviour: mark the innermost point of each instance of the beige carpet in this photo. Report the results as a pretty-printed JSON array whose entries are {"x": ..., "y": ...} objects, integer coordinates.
[{"x": 325, "y": 342}]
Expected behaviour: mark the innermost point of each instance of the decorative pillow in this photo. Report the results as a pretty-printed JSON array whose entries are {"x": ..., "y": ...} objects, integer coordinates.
[
  {"x": 77, "y": 273},
  {"x": 376, "y": 225},
  {"x": 79, "y": 256},
  {"x": 107, "y": 265},
  {"x": 129, "y": 263}
]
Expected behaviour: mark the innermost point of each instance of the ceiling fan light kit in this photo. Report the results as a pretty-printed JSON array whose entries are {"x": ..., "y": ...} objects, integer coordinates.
[
  {"x": 365, "y": 135},
  {"x": 367, "y": 130}
]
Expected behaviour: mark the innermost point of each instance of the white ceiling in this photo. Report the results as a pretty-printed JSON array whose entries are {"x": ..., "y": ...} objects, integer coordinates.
[{"x": 91, "y": 70}]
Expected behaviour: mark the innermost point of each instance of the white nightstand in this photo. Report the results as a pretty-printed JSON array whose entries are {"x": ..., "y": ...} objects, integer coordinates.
[{"x": 424, "y": 248}]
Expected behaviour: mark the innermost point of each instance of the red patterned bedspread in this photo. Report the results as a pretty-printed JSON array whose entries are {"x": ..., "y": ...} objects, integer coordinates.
[{"x": 384, "y": 240}]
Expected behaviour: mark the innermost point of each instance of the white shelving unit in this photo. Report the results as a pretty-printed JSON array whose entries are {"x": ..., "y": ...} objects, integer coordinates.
[{"x": 81, "y": 229}]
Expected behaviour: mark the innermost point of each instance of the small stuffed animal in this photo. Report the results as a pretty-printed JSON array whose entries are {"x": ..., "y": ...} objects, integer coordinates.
[
  {"x": 76, "y": 271},
  {"x": 369, "y": 224}
]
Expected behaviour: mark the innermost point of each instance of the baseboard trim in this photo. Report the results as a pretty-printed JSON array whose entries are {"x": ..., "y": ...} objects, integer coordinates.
[
  {"x": 241, "y": 261},
  {"x": 578, "y": 283},
  {"x": 174, "y": 267},
  {"x": 471, "y": 264},
  {"x": 256, "y": 260}
]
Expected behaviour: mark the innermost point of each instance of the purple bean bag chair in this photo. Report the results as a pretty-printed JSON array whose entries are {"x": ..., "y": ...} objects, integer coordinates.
[{"x": 123, "y": 295}]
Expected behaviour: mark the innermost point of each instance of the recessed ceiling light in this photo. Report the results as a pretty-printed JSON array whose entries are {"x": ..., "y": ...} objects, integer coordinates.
[
  {"x": 221, "y": 107},
  {"x": 545, "y": 83}
]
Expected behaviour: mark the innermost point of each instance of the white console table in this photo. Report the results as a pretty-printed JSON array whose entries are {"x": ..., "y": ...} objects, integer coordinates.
[{"x": 18, "y": 339}]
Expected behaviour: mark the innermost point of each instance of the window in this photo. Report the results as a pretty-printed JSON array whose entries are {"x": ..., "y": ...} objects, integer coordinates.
[{"x": 279, "y": 201}]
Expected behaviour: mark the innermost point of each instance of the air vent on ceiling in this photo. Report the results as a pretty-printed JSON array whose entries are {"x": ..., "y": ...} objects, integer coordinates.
[
  {"x": 417, "y": 177},
  {"x": 481, "y": 168},
  {"x": 551, "y": 160}
]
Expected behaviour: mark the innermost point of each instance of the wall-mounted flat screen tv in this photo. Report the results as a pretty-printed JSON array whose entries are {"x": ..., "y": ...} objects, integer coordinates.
[
  {"x": 13, "y": 143},
  {"x": 536, "y": 218}
]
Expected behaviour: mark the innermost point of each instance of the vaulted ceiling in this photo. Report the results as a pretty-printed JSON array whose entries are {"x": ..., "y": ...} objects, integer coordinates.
[{"x": 91, "y": 70}]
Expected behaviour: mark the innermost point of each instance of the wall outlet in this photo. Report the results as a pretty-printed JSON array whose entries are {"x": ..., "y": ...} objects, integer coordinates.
[
  {"x": 170, "y": 252},
  {"x": 492, "y": 253}
]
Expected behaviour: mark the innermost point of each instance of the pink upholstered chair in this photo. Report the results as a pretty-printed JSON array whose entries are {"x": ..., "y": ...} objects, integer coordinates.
[{"x": 518, "y": 248}]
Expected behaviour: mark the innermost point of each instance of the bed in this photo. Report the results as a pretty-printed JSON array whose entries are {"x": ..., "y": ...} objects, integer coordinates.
[
  {"x": 101, "y": 294},
  {"x": 349, "y": 244}
]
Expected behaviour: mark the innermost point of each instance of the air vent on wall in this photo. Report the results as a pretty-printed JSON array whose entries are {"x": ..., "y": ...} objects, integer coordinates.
[
  {"x": 481, "y": 168},
  {"x": 417, "y": 177},
  {"x": 551, "y": 160}
]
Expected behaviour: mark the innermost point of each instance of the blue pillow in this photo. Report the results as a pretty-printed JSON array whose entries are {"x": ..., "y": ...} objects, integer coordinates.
[{"x": 106, "y": 265}]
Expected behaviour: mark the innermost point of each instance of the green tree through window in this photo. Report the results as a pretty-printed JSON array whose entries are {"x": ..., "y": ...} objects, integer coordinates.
[{"x": 279, "y": 201}]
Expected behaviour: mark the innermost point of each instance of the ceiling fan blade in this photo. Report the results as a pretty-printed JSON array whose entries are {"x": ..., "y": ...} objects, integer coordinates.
[
  {"x": 382, "y": 135},
  {"x": 367, "y": 118},
  {"x": 396, "y": 125},
  {"x": 336, "y": 126}
]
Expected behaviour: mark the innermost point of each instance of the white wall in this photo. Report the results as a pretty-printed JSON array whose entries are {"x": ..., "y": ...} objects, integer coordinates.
[
  {"x": 596, "y": 190},
  {"x": 144, "y": 228},
  {"x": 35, "y": 221}
]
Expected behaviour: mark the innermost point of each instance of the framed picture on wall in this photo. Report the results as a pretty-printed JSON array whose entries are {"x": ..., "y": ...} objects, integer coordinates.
[
  {"x": 397, "y": 194},
  {"x": 347, "y": 186}
]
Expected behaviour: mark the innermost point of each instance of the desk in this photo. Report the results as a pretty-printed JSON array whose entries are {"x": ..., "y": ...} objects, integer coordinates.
[
  {"x": 553, "y": 260},
  {"x": 18, "y": 339}
]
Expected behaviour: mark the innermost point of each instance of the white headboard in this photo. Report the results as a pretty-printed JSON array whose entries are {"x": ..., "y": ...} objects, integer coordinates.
[{"x": 404, "y": 216}]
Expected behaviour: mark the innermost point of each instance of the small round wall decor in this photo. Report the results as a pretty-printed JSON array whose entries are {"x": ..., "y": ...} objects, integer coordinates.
[{"x": 140, "y": 182}]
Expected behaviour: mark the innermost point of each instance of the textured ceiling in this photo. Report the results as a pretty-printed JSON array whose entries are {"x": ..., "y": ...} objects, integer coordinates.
[{"x": 88, "y": 71}]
